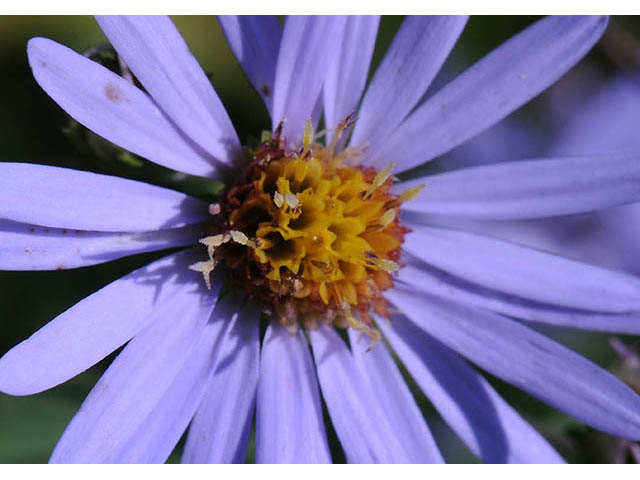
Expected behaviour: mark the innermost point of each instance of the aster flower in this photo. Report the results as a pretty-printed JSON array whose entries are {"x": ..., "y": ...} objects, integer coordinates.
[{"x": 311, "y": 233}]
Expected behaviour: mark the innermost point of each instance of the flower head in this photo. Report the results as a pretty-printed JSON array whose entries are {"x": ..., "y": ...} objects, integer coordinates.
[
  {"x": 314, "y": 239},
  {"x": 309, "y": 235}
]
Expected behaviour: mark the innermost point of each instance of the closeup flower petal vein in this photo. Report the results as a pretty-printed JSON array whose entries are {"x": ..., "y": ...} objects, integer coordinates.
[{"x": 195, "y": 357}]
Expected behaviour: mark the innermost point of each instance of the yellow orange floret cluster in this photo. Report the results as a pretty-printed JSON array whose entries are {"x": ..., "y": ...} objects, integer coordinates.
[{"x": 316, "y": 240}]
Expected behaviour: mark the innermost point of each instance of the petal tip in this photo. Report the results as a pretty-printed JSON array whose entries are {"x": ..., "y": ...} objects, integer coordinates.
[{"x": 13, "y": 379}]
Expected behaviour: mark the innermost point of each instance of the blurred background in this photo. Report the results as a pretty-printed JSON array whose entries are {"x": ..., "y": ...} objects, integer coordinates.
[{"x": 593, "y": 109}]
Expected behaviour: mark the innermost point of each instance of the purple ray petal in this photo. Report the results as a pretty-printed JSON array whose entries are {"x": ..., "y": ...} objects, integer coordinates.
[
  {"x": 603, "y": 122},
  {"x": 528, "y": 360},
  {"x": 414, "y": 58},
  {"x": 255, "y": 42},
  {"x": 531, "y": 188},
  {"x": 157, "y": 54},
  {"x": 229, "y": 337},
  {"x": 136, "y": 381},
  {"x": 289, "y": 424},
  {"x": 364, "y": 430},
  {"x": 482, "y": 419},
  {"x": 218, "y": 432},
  {"x": 317, "y": 112},
  {"x": 348, "y": 72},
  {"x": 498, "y": 84},
  {"x": 525, "y": 272},
  {"x": 112, "y": 107},
  {"x": 74, "y": 199},
  {"x": 418, "y": 275},
  {"x": 396, "y": 400},
  {"x": 508, "y": 139},
  {"x": 32, "y": 247},
  {"x": 308, "y": 43},
  {"x": 99, "y": 324}
]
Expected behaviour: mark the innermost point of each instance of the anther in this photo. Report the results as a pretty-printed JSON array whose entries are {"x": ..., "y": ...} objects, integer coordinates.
[
  {"x": 239, "y": 237},
  {"x": 410, "y": 194},
  {"x": 307, "y": 135},
  {"x": 278, "y": 199},
  {"x": 386, "y": 265},
  {"x": 265, "y": 136},
  {"x": 382, "y": 176},
  {"x": 387, "y": 217},
  {"x": 291, "y": 200}
]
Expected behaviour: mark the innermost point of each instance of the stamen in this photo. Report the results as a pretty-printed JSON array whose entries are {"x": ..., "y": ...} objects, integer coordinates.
[
  {"x": 380, "y": 179},
  {"x": 410, "y": 193},
  {"x": 239, "y": 237},
  {"x": 383, "y": 175},
  {"x": 307, "y": 136},
  {"x": 291, "y": 200},
  {"x": 387, "y": 217},
  {"x": 384, "y": 264},
  {"x": 278, "y": 199},
  {"x": 406, "y": 196},
  {"x": 265, "y": 136}
]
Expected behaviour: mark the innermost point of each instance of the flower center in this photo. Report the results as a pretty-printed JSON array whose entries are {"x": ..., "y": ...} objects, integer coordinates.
[{"x": 314, "y": 239}]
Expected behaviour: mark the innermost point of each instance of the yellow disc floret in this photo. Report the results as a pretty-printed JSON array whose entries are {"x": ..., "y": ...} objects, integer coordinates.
[{"x": 315, "y": 239}]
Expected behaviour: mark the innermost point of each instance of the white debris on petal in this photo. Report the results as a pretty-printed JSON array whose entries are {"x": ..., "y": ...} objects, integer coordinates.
[
  {"x": 293, "y": 328},
  {"x": 205, "y": 268},
  {"x": 360, "y": 326},
  {"x": 212, "y": 242},
  {"x": 291, "y": 200},
  {"x": 278, "y": 199}
]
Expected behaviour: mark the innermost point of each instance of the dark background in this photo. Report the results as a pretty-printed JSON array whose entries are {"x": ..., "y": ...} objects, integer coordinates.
[{"x": 32, "y": 130}]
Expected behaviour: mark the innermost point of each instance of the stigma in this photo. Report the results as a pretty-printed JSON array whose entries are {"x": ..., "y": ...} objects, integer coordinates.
[{"x": 313, "y": 236}]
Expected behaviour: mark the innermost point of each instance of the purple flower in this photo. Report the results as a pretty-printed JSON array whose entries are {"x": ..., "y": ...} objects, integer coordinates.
[{"x": 193, "y": 359}]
